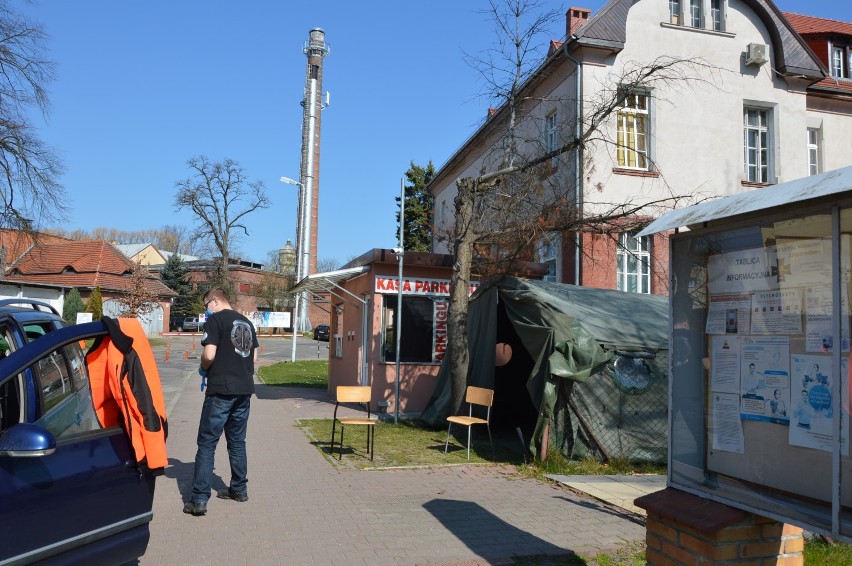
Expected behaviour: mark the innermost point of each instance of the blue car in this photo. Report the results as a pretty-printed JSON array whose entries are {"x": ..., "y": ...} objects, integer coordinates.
[{"x": 70, "y": 490}]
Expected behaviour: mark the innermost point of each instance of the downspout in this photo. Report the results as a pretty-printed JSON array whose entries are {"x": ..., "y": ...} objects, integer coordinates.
[{"x": 578, "y": 189}]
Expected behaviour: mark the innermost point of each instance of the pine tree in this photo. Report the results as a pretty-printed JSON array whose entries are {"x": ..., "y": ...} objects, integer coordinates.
[
  {"x": 73, "y": 305},
  {"x": 175, "y": 276},
  {"x": 417, "y": 231},
  {"x": 95, "y": 304}
]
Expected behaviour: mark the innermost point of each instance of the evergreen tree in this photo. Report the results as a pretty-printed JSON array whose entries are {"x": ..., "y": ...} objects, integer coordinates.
[
  {"x": 95, "y": 304},
  {"x": 175, "y": 276},
  {"x": 417, "y": 231},
  {"x": 73, "y": 304}
]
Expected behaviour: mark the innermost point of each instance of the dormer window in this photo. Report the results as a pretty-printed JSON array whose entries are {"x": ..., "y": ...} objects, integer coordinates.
[
  {"x": 841, "y": 61},
  {"x": 68, "y": 269}
]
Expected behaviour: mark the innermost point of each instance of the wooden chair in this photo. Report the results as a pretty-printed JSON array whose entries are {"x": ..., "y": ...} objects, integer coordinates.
[
  {"x": 474, "y": 396},
  {"x": 354, "y": 394}
]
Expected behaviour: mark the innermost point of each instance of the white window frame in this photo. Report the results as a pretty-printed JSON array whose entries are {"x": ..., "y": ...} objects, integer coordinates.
[
  {"x": 633, "y": 270},
  {"x": 632, "y": 144},
  {"x": 674, "y": 12},
  {"x": 716, "y": 15},
  {"x": 757, "y": 144},
  {"x": 549, "y": 253},
  {"x": 551, "y": 135},
  {"x": 695, "y": 9},
  {"x": 813, "y": 151},
  {"x": 837, "y": 67}
]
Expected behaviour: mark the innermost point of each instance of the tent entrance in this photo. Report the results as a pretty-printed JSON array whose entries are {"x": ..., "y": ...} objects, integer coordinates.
[{"x": 513, "y": 406}]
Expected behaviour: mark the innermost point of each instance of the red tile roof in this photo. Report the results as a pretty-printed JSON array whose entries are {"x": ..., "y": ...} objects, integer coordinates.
[
  {"x": 16, "y": 242},
  {"x": 805, "y": 25},
  {"x": 81, "y": 264}
]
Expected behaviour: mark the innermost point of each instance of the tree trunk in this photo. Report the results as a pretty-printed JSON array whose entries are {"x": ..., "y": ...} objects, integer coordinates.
[{"x": 460, "y": 291}]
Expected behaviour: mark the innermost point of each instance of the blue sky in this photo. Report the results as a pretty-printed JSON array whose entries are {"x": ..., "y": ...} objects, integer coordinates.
[{"x": 142, "y": 86}]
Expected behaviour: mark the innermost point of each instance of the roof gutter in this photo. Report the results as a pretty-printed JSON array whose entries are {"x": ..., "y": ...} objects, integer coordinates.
[{"x": 578, "y": 155}]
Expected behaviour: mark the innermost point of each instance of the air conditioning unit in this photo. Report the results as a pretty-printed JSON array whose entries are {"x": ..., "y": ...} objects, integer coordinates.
[{"x": 757, "y": 54}]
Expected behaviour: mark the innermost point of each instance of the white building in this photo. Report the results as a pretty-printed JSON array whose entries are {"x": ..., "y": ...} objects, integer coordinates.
[{"x": 753, "y": 109}]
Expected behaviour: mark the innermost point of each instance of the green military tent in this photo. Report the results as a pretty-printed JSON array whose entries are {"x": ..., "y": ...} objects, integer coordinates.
[{"x": 588, "y": 371}]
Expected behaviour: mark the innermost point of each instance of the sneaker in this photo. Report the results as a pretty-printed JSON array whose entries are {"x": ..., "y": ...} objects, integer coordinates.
[
  {"x": 195, "y": 508},
  {"x": 231, "y": 494}
]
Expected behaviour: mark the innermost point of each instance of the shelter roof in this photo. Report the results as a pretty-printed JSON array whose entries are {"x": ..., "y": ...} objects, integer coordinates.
[{"x": 791, "y": 192}]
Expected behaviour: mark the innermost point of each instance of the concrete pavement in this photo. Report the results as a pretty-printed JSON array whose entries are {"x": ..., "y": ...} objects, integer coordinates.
[{"x": 304, "y": 510}]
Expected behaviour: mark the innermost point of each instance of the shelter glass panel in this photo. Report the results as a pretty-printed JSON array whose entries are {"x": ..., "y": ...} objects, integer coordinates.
[{"x": 760, "y": 366}]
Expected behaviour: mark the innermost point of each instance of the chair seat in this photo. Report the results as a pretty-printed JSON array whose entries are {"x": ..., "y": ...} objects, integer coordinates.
[
  {"x": 466, "y": 421},
  {"x": 358, "y": 421}
]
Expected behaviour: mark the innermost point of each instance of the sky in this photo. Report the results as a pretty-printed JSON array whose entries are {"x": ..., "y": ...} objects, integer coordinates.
[{"x": 143, "y": 86}]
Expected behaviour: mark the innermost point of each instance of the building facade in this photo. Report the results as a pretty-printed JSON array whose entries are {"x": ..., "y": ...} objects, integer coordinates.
[{"x": 738, "y": 100}]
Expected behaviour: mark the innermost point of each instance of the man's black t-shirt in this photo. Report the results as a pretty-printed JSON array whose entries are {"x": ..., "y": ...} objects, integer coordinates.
[{"x": 232, "y": 372}]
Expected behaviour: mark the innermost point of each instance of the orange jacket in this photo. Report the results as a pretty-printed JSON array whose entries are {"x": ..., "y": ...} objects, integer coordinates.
[{"x": 126, "y": 390}]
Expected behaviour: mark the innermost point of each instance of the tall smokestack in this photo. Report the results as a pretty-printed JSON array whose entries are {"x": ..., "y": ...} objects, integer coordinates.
[{"x": 308, "y": 226}]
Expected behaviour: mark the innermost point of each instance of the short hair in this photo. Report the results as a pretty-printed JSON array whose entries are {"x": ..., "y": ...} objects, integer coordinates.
[{"x": 216, "y": 293}]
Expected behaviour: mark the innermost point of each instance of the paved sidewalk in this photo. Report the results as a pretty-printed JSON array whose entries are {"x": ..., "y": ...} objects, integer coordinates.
[{"x": 303, "y": 510}]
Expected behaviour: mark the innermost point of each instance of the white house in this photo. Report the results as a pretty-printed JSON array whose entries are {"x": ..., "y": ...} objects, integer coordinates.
[{"x": 746, "y": 105}]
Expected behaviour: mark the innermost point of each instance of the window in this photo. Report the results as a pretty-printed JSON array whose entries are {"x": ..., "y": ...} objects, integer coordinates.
[
  {"x": 695, "y": 13},
  {"x": 674, "y": 11},
  {"x": 424, "y": 329},
  {"x": 756, "y": 144},
  {"x": 551, "y": 135},
  {"x": 632, "y": 132},
  {"x": 841, "y": 62},
  {"x": 813, "y": 151},
  {"x": 634, "y": 263},
  {"x": 716, "y": 14},
  {"x": 548, "y": 254}
]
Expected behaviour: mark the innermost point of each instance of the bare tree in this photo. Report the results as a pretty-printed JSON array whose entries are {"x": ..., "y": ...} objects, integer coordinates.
[
  {"x": 137, "y": 300},
  {"x": 29, "y": 170},
  {"x": 220, "y": 196},
  {"x": 520, "y": 195}
]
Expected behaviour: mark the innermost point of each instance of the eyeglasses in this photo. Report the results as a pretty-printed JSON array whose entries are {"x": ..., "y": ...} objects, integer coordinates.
[{"x": 208, "y": 303}]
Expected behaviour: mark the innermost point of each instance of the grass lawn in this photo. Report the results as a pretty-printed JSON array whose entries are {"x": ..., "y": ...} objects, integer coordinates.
[
  {"x": 408, "y": 445},
  {"x": 301, "y": 373}
]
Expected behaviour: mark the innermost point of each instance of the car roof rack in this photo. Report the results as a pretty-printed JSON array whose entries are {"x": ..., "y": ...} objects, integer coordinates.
[{"x": 36, "y": 305}]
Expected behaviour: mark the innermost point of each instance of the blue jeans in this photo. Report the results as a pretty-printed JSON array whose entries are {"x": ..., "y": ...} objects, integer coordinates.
[{"x": 228, "y": 413}]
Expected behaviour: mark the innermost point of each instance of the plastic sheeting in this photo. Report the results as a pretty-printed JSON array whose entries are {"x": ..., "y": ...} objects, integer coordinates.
[{"x": 598, "y": 378}]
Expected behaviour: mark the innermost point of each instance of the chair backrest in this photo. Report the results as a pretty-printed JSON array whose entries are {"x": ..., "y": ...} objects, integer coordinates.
[
  {"x": 479, "y": 396},
  {"x": 354, "y": 394}
]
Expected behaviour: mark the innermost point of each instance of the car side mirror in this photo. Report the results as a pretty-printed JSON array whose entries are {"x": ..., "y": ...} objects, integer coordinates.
[{"x": 27, "y": 441}]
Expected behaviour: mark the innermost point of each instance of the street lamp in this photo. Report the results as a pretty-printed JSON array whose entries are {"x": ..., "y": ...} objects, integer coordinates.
[{"x": 299, "y": 309}]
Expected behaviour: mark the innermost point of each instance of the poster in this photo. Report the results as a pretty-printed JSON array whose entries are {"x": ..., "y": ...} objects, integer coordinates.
[
  {"x": 729, "y": 314},
  {"x": 764, "y": 367},
  {"x": 727, "y": 427},
  {"x": 811, "y": 416},
  {"x": 777, "y": 312},
  {"x": 819, "y": 333},
  {"x": 725, "y": 364}
]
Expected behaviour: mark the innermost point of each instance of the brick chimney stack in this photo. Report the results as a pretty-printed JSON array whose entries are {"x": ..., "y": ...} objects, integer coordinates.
[{"x": 575, "y": 18}]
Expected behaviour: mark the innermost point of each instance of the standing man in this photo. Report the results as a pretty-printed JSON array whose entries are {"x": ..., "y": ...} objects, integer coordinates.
[{"x": 227, "y": 363}]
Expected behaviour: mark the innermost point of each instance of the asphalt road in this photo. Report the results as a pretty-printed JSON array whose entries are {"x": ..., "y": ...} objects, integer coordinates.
[{"x": 184, "y": 352}]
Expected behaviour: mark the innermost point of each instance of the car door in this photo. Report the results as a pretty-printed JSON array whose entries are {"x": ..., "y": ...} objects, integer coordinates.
[{"x": 84, "y": 501}]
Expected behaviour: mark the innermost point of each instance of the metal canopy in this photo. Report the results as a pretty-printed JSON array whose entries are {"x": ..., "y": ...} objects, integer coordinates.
[
  {"x": 804, "y": 189},
  {"x": 330, "y": 282}
]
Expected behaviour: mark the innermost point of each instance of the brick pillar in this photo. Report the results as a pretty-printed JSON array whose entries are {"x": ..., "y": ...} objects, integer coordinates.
[{"x": 687, "y": 530}]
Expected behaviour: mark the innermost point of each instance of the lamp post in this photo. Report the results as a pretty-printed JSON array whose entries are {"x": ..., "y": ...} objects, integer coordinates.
[
  {"x": 400, "y": 252},
  {"x": 302, "y": 251}
]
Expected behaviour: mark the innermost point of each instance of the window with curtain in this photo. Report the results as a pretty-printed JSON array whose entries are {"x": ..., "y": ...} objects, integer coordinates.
[
  {"x": 632, "y": 142},
  {"x": 756, "y": 140}
]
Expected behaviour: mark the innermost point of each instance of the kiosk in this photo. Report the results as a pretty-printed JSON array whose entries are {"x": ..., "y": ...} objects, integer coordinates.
[{"x": 759, "y": 394}]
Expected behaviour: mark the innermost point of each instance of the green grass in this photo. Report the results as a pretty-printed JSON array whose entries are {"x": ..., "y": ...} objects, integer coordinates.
[
  {"x": 301, "y": 373},
  {"x": 818, "y": 551}
]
